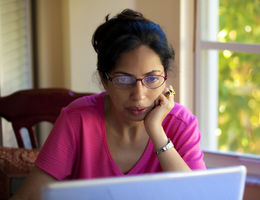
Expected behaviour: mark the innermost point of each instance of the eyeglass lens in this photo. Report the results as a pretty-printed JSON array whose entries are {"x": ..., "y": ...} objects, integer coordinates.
[{"x": 129, "y": 81}]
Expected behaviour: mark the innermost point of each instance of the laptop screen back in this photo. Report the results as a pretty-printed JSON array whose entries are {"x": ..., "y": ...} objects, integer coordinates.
[{"x": 222, "y": 183}]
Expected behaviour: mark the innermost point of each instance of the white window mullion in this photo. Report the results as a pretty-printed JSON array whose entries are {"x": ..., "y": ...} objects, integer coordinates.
[
  {"x": 206, "y": 81},
  {"x": 237, "y": 47},
  {"x": 187, "y": 51}
]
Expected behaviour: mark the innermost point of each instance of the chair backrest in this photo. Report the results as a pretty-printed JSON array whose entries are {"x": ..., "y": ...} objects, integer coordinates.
[{"x": 26, "y": 108}]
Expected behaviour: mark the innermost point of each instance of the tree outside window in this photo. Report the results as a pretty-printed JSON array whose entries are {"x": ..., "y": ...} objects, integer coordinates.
[{"x": 239, "y": 78}]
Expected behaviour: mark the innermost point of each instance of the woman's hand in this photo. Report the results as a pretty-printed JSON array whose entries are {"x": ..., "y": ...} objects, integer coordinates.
[
  {"x": 170, "y": 160},
  {"x": 163, "y": 105}
]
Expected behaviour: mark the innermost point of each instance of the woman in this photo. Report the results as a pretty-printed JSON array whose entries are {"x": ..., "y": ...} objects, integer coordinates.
[{"x": 134, "y": 127}]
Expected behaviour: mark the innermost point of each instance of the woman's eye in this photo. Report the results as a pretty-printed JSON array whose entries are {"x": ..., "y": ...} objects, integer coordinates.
[
  {"x": 124, "y": 79},
  {"x": 151, "y": 79}
]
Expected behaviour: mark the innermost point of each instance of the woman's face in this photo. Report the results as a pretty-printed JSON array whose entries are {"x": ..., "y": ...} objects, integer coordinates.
[{"x": 134, "y": 103}]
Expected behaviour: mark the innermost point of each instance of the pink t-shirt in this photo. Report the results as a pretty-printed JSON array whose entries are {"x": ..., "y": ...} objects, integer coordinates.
[{"x": 77, "y": 147}]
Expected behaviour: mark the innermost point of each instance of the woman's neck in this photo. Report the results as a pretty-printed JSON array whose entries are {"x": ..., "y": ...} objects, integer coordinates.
[{"x": 119, "y": 127}]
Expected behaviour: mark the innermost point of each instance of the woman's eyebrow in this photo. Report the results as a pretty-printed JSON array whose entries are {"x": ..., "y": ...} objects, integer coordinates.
[
  {"x": 124, "y": 73},
  {"x": 128, "y": 74},
  {"x": 153, "y": 71}
]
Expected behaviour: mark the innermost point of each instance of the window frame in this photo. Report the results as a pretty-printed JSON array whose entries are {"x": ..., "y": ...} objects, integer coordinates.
[{"x": 204, "y": 97}]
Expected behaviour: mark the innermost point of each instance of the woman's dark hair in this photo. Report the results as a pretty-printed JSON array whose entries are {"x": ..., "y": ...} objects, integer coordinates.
[{"x": 127, "y": 31}]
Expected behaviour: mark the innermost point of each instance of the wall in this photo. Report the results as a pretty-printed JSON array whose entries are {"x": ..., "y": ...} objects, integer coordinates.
[
  {"x": 84, "y": 17},
  {"x": 50, "y": 64},
  {"x": 49, "y": 43},
  {"x": 66, "y": 56}
]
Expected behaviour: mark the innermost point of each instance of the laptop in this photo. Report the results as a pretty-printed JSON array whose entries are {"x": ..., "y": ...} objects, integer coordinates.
[{"x": 220, "y": 183}]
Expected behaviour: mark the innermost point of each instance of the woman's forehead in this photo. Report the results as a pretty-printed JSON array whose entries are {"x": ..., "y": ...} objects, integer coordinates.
[{"x": 141, "y": 60}]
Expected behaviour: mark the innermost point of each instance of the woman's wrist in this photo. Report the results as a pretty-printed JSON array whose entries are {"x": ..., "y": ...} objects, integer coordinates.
[
  {"x": 153, "y": 128},
  {"x": 166, "y": 147},
  {"x": 158, "y": 136}
]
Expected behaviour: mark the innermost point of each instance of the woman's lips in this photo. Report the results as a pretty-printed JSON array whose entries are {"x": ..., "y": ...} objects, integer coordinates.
[{"x": 137, "y": 110}]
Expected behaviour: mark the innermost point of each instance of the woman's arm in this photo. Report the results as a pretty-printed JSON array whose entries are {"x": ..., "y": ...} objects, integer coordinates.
[
  {"x": 170, "y": 160},
  {"x": 31, "y": 187}
]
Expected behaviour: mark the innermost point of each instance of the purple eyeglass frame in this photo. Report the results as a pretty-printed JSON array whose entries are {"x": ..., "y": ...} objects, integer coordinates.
[{"x": 138, "y": 79}]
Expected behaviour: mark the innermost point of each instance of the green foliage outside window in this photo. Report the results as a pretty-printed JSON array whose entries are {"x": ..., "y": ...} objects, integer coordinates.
[{"x": 239, "y": 78}]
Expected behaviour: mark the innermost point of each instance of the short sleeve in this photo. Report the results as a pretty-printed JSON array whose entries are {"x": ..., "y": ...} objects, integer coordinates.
[
  {"x": 189, "y": 147},
  {"x": 182, "y": 127},
  {"x": 57, "y": 156}
]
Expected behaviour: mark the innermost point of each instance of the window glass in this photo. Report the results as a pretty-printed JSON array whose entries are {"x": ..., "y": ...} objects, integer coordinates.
[
  {"x": 228, "y": 82},
  {"x": 230, "y": 21},
  {"x": 239, "y": 102},
  {"x": 239, "y": 21}
]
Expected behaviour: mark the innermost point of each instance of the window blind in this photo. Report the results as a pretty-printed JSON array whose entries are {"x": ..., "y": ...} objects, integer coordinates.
[{"x": 15, "y": 53}]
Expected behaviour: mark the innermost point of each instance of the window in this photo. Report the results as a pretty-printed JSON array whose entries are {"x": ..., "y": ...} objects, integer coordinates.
[
  {"x": 15, "y": 53},
  {"x": 228, "y": 75}
]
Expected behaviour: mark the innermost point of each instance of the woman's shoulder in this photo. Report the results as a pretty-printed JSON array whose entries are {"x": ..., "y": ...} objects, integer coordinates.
[
  {"x": 90, "y": 102},
  {"x": 181, "y": 113}
]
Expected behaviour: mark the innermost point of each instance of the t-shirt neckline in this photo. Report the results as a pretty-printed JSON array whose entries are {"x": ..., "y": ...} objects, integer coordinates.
[{"x": 140, "y": 162}]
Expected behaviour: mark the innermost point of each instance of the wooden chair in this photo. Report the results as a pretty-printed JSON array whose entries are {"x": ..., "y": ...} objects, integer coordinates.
[{"x": 26, "y": 108}]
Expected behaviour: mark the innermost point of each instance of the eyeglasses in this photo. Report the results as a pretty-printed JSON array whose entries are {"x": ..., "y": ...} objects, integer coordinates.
[{"x": 126, "y": 82}]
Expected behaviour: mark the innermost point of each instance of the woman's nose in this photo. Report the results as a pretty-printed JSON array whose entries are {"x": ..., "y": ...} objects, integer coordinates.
[{"x": 138, "y": 91}]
